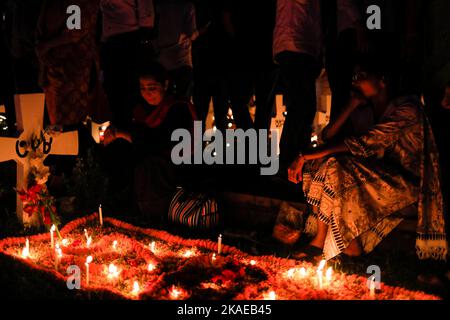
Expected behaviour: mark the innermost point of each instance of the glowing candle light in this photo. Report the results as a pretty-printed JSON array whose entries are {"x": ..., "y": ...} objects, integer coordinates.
[
  {"x": 214, "y": 258},
  {"x": 253, "y": 262},
  {"x": 151, "y": 267},
  {"x": 329, "y": 275},
  {"x": 100, "y": 214},
  {"x": 58, "y": 255},
  {"x": 303, "y": 272},
  {"x": 89, "y": 241},
  {"x": 153, "y": 247},
  {"x": 219, "y": 244},
  {"x": 113, "y": 271},
  {"x": 290, "y": 273},
  {"x": 320, "y": 273},
  {"x": 270, "y": 296},
  {"x": 86, "y": 234},
  {"x": 26, "y": 250},
  {"x": 175, "y": 293},
  {"x": 188, "y": 254},
  {"x": 52, "y": 239},
  {"x": 115, "y": 245},
  {"x": 88, "y": 261},
  {"x": 136, "y": 288},
  {"x": 372, "y": 287}
]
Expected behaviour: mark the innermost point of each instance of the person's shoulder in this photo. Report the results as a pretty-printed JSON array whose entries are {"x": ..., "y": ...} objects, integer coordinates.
[{"x": 408, "y": 107}]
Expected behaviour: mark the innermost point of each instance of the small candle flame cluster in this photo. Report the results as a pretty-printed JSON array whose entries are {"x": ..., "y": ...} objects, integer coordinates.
[
  {"x": 26, "y": 250},
  {"x": 303, "y": 273}
]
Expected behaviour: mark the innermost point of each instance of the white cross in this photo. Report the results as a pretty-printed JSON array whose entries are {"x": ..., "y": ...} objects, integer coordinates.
[{"x": 30, "y": 117}]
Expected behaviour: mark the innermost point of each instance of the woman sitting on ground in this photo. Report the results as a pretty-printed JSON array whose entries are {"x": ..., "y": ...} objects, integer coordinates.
[
  {"x": 356, "y": 186},
  {"x": 144, "y": 151}
]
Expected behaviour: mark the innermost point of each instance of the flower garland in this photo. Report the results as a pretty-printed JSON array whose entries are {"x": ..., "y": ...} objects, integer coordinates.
[{"x": 174, "y": 275}]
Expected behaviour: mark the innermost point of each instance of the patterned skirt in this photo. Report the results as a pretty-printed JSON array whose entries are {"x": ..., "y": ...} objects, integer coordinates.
[{"x": 356, "y": 198}]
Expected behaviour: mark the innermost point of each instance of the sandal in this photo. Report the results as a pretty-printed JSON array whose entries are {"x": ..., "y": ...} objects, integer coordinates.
[{"x": 309, "y": 253}]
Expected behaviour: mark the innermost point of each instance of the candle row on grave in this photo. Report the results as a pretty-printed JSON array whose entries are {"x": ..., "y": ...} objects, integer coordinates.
[{"x": 113, "y": 272}]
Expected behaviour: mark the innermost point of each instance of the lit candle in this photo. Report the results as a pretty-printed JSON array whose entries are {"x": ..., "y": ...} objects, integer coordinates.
[
  {"x": 52, "y": 240},
  {"x": 151, "y": 267},
  {"x": 26, "y": 250},
  {"x": 329, "y": 275},
  {"x": 136, "y": 288},
  {"x": 290, "y": 273},
  {"x": 153, "y": 247},
  {"x": 86, "y": 234},
  {"x": 89, "y": 241},
  {"x": 175, "y": 293},
  {"x": 270, "y": 296},
  {"x": 100, "y": 212},
  {"x": 115, "y": 245},
  {"x": 214, "y": 257},
  {"x": 303, "y": 272},
  {"x": 58, "y": 255},
  {"x": 188, "y": 254},
  {"x": 320, "y": 273},
  {"x": 113, "y": 271},
  {"x": 252, "y": 262},
  {"x": 219, "y": 244},
  {"x": 372, "y": 288},
  {"x": 88, "y": 261}
]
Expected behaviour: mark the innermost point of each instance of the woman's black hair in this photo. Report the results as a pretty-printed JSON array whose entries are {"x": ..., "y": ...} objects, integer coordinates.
[
  {"x": 155, "y": 71},
  {"x": 375, "y": 67}
]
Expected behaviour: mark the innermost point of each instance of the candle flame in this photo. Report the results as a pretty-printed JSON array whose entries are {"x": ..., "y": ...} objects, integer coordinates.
[
  {"x": 113, "y": 271},
  {"x": 151, "y": 267},
  {"x": 214, "y": 258},
  {"x": 290, "y": 273},
  {"x": 26, "y": 250},
  {"x": 152, "y": 247},
  {"x": 321, "y": 265},
  {"x": 329, "y": 274},
  {"x": 252, "y": 262},
  {"x": 58, "y": 250},
  {"x": 136, "y": 288},
  {"x": 303, "y": 272},
  {"x": 89, "y": 241},
  {"x": 270, "y": 296},
  {"x": 175, "y": 293},
  {"x": 88, "y": 259},
  {"x": 115, "y": 244},
  {"x": 188, "y": 253}
]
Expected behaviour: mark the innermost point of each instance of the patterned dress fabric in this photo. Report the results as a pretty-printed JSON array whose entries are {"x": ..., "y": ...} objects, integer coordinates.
[{"x": 393, "y": 166}]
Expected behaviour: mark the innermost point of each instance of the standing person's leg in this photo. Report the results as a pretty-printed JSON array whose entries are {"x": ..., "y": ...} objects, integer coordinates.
[
  {"x": 241, "y": 90},
  {"x": 341, "y": 59},
  {"x": 266, "y": 82},
  {"x": 181, "y": 82},
  {"x": 121, "y": 81},
  {"x": 299, "y": 73}
]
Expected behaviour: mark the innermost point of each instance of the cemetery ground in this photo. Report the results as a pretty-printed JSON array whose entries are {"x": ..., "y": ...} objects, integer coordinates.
[{"x": 78, "y": 195}]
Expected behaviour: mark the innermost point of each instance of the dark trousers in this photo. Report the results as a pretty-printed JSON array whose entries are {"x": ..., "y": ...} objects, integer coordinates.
[
  {"x": 299, "y": 73},
  {"x": 120, "y": 63},
  {"x": 181, "y": 82},
  {"x": 210, "y": 84}
]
